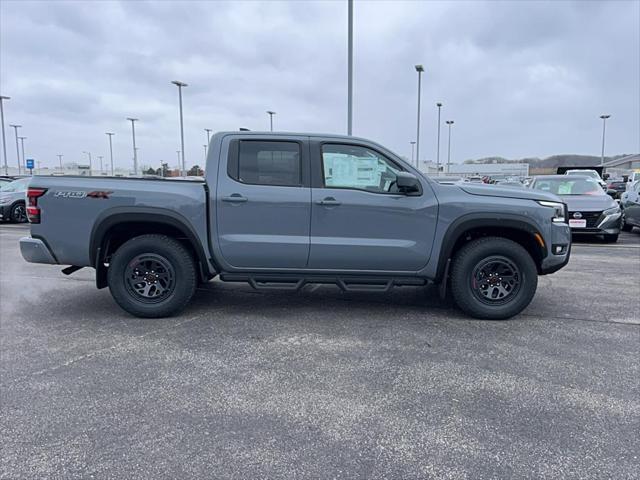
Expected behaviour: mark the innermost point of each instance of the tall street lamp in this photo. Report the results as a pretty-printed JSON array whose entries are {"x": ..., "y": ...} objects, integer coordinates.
[
  {"x": 349, "y": 67},
  {"x": 100, "y": 157},
  {"x": 413, "y": 146},
  {"x": 271, "y": 114},
  {"x": 135, "y": 150},
  {"x": 15, "y": 128},
  {"x": 604, "y": 125},
  {"x": 180, "y": 85},
  {"x": 208, "y": 130},
  {"x": 110, "y": 134},
  {"x": 419, "y": 69},
  {"x": 60, "y": 160},
  {"x": 4, "y": 139},
  {"x": 178, "y": 152},
  {"x": 90, "y": 162},
  {"x": 22, "y": 139},
  {"x": 205, "y": 153},
  {"x": 439, "y": 105},
  {"x": 449, "y": 123}
]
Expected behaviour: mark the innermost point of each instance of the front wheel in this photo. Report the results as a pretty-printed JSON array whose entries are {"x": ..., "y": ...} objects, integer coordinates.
[
  {"x": 152, "y": 276},
  {"x": 493, "y": 278},
  {"x": 610, "y": 238}
]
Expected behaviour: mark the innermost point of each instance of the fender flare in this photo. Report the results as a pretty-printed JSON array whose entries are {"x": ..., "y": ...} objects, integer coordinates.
[
  {"x": 476, "y": 220},
  {"x": 114, "y": 216}
]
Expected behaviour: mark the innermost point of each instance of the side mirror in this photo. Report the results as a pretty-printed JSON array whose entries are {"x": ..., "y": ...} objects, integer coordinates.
[{"x": 408, "y": 183}]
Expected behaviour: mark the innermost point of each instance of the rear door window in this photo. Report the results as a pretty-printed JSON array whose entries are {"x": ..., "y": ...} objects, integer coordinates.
[{"x": 268, "y": 163}]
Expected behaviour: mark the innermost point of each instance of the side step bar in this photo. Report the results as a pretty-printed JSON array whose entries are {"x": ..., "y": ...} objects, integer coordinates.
[{"x": 346, "y": 283}]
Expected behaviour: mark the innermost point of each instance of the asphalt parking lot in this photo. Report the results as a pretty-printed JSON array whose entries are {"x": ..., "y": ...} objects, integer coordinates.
[{"x": 320, "y": 383}]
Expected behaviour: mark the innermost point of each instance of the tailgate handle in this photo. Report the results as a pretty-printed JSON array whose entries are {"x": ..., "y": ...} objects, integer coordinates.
[
  {"x": 235, "y": 198},
  {"x": 329, "y": 201}
]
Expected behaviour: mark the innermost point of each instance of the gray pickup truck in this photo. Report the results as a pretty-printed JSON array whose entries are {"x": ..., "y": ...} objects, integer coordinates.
[{"x": 284, "y": 210}]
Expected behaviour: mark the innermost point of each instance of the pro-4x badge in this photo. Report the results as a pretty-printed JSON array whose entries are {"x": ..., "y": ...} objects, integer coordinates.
[{"x": 82, "y": 194}]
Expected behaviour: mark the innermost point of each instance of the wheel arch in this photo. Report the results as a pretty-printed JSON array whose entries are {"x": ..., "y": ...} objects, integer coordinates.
[
  {"x": 522, "y": 230},
  {"x": 115, "y": 227}
]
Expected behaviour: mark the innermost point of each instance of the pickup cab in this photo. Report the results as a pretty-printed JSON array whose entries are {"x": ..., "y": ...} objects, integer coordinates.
[{"x": 283, "y": 210}]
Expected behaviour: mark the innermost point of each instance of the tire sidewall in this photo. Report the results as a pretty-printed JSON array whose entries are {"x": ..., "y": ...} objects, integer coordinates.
[
  {"x": 174, "y": 253},
  {"x": 473, "y": 254}
]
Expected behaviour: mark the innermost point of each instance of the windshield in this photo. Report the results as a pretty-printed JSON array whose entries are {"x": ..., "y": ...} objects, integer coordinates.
[
  {"x": 584, "y": 173},
  {"x": 581, "y": 186},
  {"x": 15, "y": 186}
]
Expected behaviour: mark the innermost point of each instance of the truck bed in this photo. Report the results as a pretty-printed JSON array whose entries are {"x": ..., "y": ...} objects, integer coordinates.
[{"x": 75, "y": 208}]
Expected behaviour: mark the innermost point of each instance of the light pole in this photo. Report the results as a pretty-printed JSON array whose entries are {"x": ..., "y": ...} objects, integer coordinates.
[
  {"x": 100, "y": 157},
  {"x": 22, "y": 139},
  {"x": 90, "y": 162},
  {"x": 449, "y": 123},
  {"x": 135, "y": 150},
  {"x": 60, "y": 160},
  {"x": 350, "y": 67},
  {"x": 4, "y": 139},
  {"x": 604, "y": 124},
  {"x": 439, "y": 105},
  {"x": 419, "y": 69},
  {"x": 271, "y": 114},
  {"x": 178, "y": 152},
  {"x": 413, "y": 146},
  {"x": 180, "y": 85},
  {"x": 110, "y": 134},
  {"x": 15, "y": 128},
  {"x": 208, "y": 130},
  {"x": 205, "y": 152}
]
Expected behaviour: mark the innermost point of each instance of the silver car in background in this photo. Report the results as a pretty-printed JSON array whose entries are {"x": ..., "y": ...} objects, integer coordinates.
[
  {"x": 591, "y": 211},
  {"x": 12, "y": 200}
]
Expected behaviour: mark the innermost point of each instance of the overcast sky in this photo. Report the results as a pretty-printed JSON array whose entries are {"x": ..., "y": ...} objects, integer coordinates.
[{"x": 518, "y": 78}]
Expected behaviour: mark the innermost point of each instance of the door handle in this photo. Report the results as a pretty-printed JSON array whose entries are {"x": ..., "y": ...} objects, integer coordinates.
[
  {"x": 234, "y": 198},
  {"x": 329, "y": 201}
]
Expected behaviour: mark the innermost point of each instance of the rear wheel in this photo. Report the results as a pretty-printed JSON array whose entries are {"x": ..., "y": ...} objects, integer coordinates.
[
  {"x": 493, "y": 278},
  {"x": 611, "y": 238},
  {"x": 19, "y": 213},
  {"x": 625, "y": 227},
  {"x": 152, "y": 276}
]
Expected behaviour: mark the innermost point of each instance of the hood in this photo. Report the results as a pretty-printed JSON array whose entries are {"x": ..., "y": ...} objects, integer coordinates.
[
  {"x": 588, "y": 202},
  {"x": 508, "y": 192}
]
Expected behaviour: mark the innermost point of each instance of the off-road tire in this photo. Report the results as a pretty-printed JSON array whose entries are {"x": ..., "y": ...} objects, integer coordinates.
[
  {"x": 165, "y": 249},
  {"x": 472, "y": 255}
]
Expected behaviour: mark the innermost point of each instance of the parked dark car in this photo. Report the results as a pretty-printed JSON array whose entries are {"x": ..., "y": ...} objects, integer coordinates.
[
  {"x": 590, "y": 210},
  {"x": 630, "y": 203},
  {"x": 620, "y": 186},
  {"x": 12, "y": 200}
]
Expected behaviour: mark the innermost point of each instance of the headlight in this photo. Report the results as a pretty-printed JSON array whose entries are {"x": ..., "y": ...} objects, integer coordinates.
[
  {"x": 558, "y": 211},
  {"x": 612, "y": 210}
]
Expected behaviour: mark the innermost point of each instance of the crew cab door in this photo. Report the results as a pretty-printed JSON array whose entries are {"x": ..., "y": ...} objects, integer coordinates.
[
  {"x": 359, "y": 221},
  {"x": 263, "y": 202}
]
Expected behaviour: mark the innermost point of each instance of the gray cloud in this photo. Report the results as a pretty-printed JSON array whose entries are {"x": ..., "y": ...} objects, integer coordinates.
[{"x": 519, "y": 78}]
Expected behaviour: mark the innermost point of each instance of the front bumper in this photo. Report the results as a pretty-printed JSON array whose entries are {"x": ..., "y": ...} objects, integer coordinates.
[
  {"x": 560, "y": 235},
  {"x": 34, "y": 250}
]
